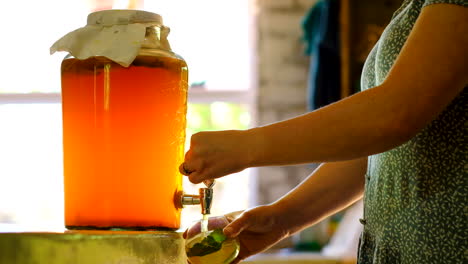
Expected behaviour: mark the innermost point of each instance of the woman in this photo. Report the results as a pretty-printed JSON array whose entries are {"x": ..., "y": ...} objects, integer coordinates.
[{"x": 401, "y": 143}]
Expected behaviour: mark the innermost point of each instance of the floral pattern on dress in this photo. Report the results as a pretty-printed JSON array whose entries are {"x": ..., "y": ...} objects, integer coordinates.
[{"x": 415, "y": 200}]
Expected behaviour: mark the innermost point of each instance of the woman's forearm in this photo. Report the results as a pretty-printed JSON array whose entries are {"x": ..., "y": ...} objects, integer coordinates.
[
  {"x": 332, "y": 187},
  {"x": 358, "y": 126},
  {"x": 424, "y": 79}
]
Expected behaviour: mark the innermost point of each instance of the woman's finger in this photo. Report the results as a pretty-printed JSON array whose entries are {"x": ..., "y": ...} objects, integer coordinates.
[
  {"x": 193, "y": 230},
  {"x": 195, "y": 177},
  {"x": 237, "y": 226},
  {"x": 183, "y": 168}
]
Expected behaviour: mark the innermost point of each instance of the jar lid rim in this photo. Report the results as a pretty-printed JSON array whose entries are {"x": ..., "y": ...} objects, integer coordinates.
[{"x": 123, "y": 17}]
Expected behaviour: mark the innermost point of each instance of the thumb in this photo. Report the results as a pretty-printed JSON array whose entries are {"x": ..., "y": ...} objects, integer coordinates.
[{"x": 237, "y": 226}]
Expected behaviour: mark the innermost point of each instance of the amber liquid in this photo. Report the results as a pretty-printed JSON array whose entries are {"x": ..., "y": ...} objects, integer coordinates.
[{"x": 123, "y": 137}]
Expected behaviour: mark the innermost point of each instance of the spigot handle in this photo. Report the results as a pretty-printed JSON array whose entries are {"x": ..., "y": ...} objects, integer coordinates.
[
  {"x": 209, "y": 183},
  {"x": 206, "y": 199}
]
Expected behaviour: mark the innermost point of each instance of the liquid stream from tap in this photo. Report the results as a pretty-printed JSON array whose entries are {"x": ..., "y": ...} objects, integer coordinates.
[{"x": 204, "y": 223}]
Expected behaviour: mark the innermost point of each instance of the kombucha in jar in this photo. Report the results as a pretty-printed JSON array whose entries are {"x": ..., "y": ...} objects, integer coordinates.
[{"x": 123, "y": 139}]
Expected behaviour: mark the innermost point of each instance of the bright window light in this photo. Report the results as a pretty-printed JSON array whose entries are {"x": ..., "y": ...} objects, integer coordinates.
[{"x": 214, "y": 44}]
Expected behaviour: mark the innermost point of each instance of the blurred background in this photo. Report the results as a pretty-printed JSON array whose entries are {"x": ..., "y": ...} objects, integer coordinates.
[{"x": 251, "y": 63}]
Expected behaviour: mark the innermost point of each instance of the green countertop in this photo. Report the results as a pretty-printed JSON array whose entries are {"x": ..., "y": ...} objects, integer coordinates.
[
  {"x": 121, "y": 247},
  {"x": 92, "y": 247}
]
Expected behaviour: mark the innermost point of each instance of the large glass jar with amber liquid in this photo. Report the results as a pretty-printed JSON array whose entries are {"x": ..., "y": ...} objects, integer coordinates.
[{"x": 123, "y": 138}]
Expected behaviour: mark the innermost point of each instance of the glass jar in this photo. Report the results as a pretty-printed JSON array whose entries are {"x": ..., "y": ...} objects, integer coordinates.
[{"x": 124, "y": 135}]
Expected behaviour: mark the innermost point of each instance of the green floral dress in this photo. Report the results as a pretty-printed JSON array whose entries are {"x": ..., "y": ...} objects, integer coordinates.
[{"x": 415, "y": 201}]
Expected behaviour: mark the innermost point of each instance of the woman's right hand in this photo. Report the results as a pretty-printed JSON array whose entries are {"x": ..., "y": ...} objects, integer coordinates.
[
  {"x": 217, "y": 153},
  {"x": 256, "y": 229}
]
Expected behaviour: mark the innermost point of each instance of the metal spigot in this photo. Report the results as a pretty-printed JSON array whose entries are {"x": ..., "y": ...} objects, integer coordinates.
[{"x": 205, "y": 198}]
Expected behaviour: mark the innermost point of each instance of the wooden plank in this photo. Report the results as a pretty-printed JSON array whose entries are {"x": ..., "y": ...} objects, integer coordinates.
[{"x": 345, "y": 42}]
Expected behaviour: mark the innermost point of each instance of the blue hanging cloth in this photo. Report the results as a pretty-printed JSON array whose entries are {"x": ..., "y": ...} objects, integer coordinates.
[{"x": 321, "y": 35}]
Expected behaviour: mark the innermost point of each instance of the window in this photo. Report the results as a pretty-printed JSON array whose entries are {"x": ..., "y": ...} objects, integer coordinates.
[{"x": 221, "y": 96}]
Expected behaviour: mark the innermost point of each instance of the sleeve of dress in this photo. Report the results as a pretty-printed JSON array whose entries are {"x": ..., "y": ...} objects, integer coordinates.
[{"x": 463, "y": 3}]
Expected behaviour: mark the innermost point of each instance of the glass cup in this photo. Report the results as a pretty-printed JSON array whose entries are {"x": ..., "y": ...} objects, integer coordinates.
[{"x": 211, "y": 246}]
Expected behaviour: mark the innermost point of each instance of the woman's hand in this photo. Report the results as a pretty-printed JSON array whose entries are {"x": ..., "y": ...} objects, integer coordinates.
[
  {"x": 216, "y": 154},
  {"x": 256, "y": 229}
]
